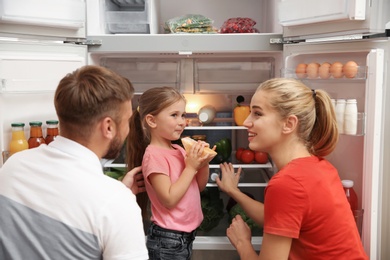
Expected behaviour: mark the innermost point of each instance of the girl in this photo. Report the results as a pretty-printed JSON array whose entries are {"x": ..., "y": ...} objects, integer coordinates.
[
  {"x": 305, "y": 213},
  {"x": 173, "y": 179}
]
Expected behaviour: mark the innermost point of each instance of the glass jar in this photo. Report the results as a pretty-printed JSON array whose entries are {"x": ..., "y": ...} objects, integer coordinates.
[
  {"x": 18, "y": 142},
  {"x": 52, "y": 131},
  {"x": 36, "y": 136},
  {"x": 350, "y": 117}
]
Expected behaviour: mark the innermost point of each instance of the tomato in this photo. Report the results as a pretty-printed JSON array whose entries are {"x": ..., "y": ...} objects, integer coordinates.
[
  {"x": 247, "y": 156},
  {"x": 239, "y": 153},
  {"x": 261, "y": 157}
]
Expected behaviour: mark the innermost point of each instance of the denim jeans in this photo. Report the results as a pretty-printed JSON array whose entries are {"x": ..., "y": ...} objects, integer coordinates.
[{"x": 166, "y": 244}]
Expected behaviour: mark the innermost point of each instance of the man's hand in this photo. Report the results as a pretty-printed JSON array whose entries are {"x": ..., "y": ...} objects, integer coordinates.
[{"x": 134, "y": 180}]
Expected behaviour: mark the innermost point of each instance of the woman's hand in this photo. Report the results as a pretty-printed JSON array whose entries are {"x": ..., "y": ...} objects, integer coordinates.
[
  {"x": 134, "y": 180},
  {"x": 229, "y": 179},
  {"x": 239, "y": 232}
]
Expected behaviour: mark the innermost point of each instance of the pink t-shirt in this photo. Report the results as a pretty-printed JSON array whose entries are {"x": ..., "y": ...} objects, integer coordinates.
[
  {"x": 187, "y": 215},
  {"x": 305, "y": 201}
]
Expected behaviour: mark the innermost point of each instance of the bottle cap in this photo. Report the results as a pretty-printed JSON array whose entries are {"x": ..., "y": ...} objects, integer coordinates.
[
  {"x": 347, "y": 183},
  {"x": 52, "y": 122},
  {"x": 17, "y": 124},
  {"x": 214, "y": 176},
  {"x": 35, "y": 123}
]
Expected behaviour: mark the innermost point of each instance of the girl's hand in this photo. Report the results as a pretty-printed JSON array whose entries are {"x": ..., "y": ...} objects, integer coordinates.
[
  {"x": 229, "y": 179},
  {"x": 195, "y": 159}
]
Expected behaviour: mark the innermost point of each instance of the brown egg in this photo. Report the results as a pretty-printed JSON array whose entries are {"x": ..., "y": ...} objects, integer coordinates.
[
  {"x": 300, "y": 70},
  {"x": 350, "y": 69},
  {"x": 323, "y": 70},
  {"x": 336, "y": 69},
  {"x": 312, "y": 70}
]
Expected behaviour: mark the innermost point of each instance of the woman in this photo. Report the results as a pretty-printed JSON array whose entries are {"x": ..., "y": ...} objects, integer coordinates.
[{"x": 305, "y": 214}]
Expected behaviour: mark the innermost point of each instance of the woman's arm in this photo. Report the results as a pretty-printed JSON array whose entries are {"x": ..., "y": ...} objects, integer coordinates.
[{"x": 228, "y": 183}]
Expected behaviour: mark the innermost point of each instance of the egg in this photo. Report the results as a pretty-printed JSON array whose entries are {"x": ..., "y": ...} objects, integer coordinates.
[
  {"x": 336, "y": 69},
  {"x": 300, "y": 70},
  {"x": 350, "y": 69},
  {"x": 323, "y": 70},
  {"x": 312, "y": 70}
]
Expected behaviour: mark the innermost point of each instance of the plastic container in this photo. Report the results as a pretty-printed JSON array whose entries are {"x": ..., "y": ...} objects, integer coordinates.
[
  {"x": 18, "y": 142},
  {"x": 340, "y": 111},
  {"x": 52, "y": 131},
  {"x": 350, "y": 117},
  {"x": 36, "y": 136},
  {"x": 351, "y": 194}
]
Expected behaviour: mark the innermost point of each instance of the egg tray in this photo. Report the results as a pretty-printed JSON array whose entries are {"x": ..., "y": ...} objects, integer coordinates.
[{"x": 290, "y": 73}]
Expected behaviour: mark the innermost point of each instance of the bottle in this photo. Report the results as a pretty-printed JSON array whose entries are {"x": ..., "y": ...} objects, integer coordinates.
[
  {"x": 350, "y": 117},
  {"x": 36, "y": 136},
  {"x": 18, "y": 142},
  {"x": 351, "y": 194},
  {"x": 51, "y": 131},
  {"x": 206, "y": 114},
  {"x": 340, "y": 110}
]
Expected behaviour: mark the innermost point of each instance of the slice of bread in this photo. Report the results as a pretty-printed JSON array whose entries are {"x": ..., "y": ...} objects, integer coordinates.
[{"x": 189, "y": 142}]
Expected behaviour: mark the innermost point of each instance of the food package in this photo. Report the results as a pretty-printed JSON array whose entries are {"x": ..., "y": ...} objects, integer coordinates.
[
  {"x": 239, "y": 25},
  {"x": 189, "y": 142},
  {"x": 190, "y": 23}
]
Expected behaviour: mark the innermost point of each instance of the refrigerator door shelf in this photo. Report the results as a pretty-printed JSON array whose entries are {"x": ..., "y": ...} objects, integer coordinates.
[
  {"x": 43, "y": 18},
  {"x": 360, "y": 74}
]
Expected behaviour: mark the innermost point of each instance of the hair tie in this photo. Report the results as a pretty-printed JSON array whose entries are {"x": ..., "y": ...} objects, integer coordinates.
[
  {"x": 314, "y": 93},
  {"x": 138, "y": 109}
]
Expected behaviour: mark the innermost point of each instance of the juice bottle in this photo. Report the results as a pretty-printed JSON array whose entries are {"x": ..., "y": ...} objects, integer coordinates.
[
  {"x": 36, "y": 136},
  {"x": 18, "y": 141},
  {"x": 351, "y": 194},
  {"x": 52, "y": 130}
]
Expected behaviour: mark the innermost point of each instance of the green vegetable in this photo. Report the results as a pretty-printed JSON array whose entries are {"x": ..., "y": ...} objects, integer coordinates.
[
  {"x": 116, "y": 173},
  {"x": 237, "y": 210},
  {"x": 212, "y": 208},
  {"x": 223, "y": 149}
]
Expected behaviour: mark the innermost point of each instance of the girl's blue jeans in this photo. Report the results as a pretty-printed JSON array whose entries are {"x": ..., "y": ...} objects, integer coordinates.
[{"x": 166, "y": 244}]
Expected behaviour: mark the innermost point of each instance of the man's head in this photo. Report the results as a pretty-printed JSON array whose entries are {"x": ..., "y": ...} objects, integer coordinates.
[{"x": 94, "y": 99}]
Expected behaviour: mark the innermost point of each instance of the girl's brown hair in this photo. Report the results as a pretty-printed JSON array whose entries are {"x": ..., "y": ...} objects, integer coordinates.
[
  {"x": 152, "y": 102},
  {"x": 317, "y": 125}
]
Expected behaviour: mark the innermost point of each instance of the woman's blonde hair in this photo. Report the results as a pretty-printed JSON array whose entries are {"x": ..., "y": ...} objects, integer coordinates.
[{"x": 317, "y": 125}]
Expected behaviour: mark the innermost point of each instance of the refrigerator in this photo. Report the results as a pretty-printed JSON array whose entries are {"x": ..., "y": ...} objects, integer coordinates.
[{"x": 43, "y": 40}]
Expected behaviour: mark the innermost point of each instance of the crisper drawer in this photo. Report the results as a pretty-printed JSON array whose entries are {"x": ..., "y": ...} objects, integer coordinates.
[
  {"x": 145, "y": 73},
  {"x": 232, "y": 75},
  {"x": 63, "y": 18}
]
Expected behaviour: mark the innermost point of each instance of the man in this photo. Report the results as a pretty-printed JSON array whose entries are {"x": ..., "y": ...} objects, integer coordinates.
[{"x": 55, "y": 201}]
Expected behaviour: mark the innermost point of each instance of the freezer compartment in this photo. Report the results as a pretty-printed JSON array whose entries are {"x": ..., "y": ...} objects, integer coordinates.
[{"x": 129, "y": 16}]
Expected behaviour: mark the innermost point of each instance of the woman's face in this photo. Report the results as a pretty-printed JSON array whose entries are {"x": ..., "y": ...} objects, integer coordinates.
[{"x": 264, "y": 124}]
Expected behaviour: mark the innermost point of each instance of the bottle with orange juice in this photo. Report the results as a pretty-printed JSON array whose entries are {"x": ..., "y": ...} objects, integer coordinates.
[
  {"x": 36, "y": 135},
  {"x": 18, "y": 141}
]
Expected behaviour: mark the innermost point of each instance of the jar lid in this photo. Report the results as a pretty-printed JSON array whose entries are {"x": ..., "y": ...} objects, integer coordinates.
[
  {"x": 347, "y": 183},
  {"x": 52, "y": 122},
  {"x": 35, "y": 123},
  {"x": 17, "y": 124}
]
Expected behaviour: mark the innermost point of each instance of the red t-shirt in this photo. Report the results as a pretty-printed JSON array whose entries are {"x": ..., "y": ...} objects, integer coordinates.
[{"x": 305, "y": 201}]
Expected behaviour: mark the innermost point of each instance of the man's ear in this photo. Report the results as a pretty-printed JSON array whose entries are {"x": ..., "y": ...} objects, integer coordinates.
[
  {"x": 150, "y": 120},
  {"x": 290, "y": 124},
  {"x": 108, "y": 127}
]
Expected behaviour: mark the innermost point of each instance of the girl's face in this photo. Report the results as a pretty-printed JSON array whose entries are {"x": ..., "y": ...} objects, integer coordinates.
[
  {"x": 171, "y": 121},
  {"x": 264, "y": 124}
]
